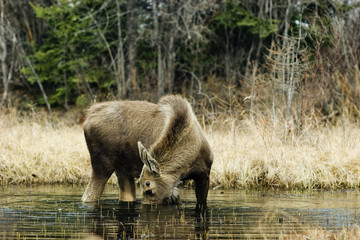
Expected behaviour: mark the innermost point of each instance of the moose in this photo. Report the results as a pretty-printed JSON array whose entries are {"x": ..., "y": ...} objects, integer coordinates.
[{"x": 161, "y": 143}]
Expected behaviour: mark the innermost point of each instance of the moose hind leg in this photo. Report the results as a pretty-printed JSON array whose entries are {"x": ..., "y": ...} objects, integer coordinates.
[
  {"x": 126, "y": 185},
  {"x": 95, "y": 187},
  {"x": 201, "y": 191}
]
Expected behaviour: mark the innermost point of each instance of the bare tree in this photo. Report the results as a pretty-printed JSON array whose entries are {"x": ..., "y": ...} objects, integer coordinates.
[
  {"x": 3, "y": 54},
  {"x": 16, "y": 30},
  {"x": 157, "y": 41},
  {"x": 120, "y": 57},
  {"x": 117, "y": 62},
  {"x": 177, "y": 25},
  {"x": 131, "y": 30},
  {"x": 30, "y": 65}
]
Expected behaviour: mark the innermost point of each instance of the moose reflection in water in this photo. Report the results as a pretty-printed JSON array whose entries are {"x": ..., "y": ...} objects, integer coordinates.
[{"x": 136, "y": 221}]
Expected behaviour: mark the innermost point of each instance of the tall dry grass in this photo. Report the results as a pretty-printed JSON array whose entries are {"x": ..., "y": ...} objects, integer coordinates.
[
  {"x": 266, "y": 154},
  {"x": 32, "y": 150},
  {"x": 248, "y": 154},
  {"x": 322, "y": 234}
]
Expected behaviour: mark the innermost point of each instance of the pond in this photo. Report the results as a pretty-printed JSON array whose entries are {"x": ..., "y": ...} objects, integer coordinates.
[{"x": 49, "y": 212}]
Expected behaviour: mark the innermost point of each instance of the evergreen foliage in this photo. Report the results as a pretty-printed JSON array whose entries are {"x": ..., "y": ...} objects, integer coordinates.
[{"x": 80, "y": 52}]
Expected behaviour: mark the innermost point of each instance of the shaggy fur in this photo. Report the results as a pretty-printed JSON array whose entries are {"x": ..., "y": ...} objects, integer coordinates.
[{"x": 162, "y": 143}]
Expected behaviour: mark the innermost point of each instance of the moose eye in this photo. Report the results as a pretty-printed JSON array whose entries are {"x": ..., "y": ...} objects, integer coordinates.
[{"x": 147, "y": 183}]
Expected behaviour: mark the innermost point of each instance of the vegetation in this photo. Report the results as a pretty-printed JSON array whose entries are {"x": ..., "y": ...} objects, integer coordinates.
[
  {"x": 264, "y": 155},
  {"x": 298, "y": 58},
  {"x": 261, "y": 155},
  {"x": 319, "y": 233},
  {"x": 32, "y": 151},
  {"x": 275, "y": 83}
]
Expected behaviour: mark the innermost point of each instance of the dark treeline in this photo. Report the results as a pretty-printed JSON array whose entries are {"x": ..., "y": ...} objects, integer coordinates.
[{"x": 292, "y": 59}]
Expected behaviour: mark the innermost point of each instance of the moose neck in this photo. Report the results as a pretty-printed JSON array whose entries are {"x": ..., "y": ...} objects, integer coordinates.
[
  {"x": 173, "y": 180},
  {"x": 179, "y": 141}
]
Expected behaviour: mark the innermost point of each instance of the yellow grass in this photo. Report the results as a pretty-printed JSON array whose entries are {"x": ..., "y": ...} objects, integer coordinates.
[
  {"x": 261, "y": 155},
  {"x": 321, "y": 234},
  {"x": 32, "y": 151},
  {"x": 250, "y": 155}
]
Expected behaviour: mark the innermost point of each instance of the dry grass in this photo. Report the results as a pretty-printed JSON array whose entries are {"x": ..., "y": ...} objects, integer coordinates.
[
  {"x": 321, "y": 234},
  {"x": 265, "y": 155},
  {"x": 33, "y": 151},
  {"x": 249, "y": 156}
]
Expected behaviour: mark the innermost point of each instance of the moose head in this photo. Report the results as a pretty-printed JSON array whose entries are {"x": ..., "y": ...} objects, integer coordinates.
[{"x": 156, "y": 186}]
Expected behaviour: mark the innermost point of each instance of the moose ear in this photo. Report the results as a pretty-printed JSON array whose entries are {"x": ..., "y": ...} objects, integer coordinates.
[{"x": 147, "y": 159}]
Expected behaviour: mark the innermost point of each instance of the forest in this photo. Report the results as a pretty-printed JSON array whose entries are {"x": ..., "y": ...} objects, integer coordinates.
[
  {"x": 284, "y": 59},
  {"x": 275, "y": 84}
]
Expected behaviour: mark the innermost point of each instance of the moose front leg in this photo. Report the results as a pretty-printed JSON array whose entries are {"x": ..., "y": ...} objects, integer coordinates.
[
  {"x": 95, "y": 187},
  {"x": 201, "y": 190},
  {"x": 126, "y": 185}
]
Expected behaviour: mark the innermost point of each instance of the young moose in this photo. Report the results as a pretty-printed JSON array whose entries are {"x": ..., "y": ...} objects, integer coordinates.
[{"x": 162, "y": 143}]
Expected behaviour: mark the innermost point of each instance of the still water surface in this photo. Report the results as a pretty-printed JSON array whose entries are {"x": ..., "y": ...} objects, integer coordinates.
[{"x": 56, "y": 212}]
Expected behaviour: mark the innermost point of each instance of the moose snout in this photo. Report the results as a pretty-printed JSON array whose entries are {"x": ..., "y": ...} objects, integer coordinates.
[
  {"x": 149, "y": 192},
  {"x": 172, "y": 200}
]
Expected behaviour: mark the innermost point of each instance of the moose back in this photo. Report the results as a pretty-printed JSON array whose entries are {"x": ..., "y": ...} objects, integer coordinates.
[{"x": 162, "y": 144}]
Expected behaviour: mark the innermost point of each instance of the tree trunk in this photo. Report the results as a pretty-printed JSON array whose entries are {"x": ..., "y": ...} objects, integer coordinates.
[
  {"x": 120, "y": 58},
  {"x": 113, "y": 63},
  {"x": 131, "y": 27},
  {"x": 66, "y": 92},
  {"x": 3, "y": 54},
  {"x": 227, "y": 58},
  {"x": 160, "y": 70},
  {"x": 171, "y": 48},
  {"x": 171, "y": 64},
  {"x": 22, "y": 51}
]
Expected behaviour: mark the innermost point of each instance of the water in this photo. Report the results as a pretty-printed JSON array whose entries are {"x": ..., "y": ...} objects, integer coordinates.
[{"x": 56, "y": 212}]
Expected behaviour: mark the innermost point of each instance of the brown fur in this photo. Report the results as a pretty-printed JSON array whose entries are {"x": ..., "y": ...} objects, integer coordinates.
[{"x": 171, "y": 143}]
